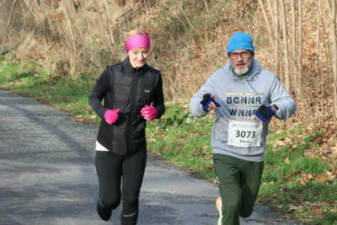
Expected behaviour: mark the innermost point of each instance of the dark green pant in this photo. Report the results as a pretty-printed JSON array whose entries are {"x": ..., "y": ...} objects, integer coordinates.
[{"x": 239, "y": 183}]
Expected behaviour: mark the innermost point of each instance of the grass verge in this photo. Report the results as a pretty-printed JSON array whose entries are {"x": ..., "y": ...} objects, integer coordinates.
[{"x": 297, "y": 180}]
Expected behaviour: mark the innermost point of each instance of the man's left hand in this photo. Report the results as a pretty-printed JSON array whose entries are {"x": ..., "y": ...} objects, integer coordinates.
[{"x": 264, "y": 113}]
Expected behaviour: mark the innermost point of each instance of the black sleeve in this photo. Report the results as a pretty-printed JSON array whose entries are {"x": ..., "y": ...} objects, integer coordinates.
[
  {"x": 98, "y": 92},
  {"x": 158, "y": 100}
]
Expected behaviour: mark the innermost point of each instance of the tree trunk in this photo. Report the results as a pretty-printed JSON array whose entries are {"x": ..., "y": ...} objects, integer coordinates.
[
  {"x": 109, "y": 25},
  {"x": 267, "y": 22},
  {"x": 318, "y": 53},
  {"x": 293, "y": 55},
  {"x": 318, "y": 36},
  {"x": 275, "y": 15},
  {"x": 285, "y": 45},
  {"x": 299, "y": 73},
  {"x": 334, "y": 50},
  {"x": 8, "y": 23}
]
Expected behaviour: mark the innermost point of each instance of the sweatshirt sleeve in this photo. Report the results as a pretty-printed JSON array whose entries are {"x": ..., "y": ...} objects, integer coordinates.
[
  {"x": 195, "y": 106},
  {"x": 282, "y": 99},
  {"x": 158, "y": 100},
  {"x": 98, "y": 92}
]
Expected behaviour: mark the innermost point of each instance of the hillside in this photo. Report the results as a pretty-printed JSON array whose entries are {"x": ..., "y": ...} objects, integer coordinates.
[
  {"x": 54, "y": 50},
  {"x": 73, "y": 37}
]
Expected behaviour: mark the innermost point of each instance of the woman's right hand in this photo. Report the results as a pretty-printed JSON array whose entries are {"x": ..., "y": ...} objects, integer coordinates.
[{"x": 111, "y": 116}]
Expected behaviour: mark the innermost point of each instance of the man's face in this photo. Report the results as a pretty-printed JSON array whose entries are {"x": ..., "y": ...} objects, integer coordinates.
[
  {"x": 138, "y": 57},
  {"x": 241, "y": 61}
]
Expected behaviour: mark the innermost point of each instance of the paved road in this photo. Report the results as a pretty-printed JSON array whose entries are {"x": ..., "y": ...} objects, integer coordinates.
[{"x": 47, "y": 176}]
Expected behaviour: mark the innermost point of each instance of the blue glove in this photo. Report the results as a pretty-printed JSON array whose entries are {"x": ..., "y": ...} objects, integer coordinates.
[
  {"x": 206, "y": 100},
  {"x": 265, "y": 113}
]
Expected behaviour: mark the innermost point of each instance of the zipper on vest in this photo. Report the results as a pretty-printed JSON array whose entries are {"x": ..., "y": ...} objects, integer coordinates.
[{"x": 132, "y": 97}]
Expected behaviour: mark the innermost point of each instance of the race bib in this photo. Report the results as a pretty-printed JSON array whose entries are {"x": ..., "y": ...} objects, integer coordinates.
[{"x": 244, "y": 133}]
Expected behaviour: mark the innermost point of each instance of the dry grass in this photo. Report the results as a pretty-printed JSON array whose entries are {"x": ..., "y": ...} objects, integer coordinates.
[{"x": 68, "y": 37}]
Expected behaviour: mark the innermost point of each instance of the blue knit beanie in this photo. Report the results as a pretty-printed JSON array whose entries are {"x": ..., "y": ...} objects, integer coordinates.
[{"x": 240, "y": 41}]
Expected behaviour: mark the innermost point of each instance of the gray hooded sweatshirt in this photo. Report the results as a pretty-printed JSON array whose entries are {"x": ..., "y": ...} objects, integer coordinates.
[{"x": 235, "y": 133}]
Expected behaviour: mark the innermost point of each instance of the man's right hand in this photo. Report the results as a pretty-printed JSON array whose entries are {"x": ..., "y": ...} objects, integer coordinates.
[{"x": 208, "y": 103}]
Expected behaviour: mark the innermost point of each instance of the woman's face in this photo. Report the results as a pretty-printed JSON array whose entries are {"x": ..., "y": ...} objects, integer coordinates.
[{"x": 138, "y": 57}]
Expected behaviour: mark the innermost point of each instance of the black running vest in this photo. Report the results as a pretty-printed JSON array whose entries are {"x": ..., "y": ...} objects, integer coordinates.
[{"x": 121, "y": 86}]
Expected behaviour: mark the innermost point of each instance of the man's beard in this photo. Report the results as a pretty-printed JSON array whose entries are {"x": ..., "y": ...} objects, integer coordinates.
[{"x": 245, "y": 70}]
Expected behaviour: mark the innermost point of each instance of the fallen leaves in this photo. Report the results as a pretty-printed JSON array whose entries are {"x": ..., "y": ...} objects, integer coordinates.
[
  {"x": 325, "y": 178},
  {"x": 83, "y": 119},
  {"x": 310, "y": 154},
  {"x": 319, "y": 140},
  {"x": 305, "y": 178}
]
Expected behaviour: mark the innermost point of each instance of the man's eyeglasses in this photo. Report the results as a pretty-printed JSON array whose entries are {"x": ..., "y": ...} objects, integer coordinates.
[{"x": 236, "y": 55}]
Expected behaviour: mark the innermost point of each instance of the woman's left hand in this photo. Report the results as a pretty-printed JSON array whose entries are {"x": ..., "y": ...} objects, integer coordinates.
[{"x": 149, "y": 112}]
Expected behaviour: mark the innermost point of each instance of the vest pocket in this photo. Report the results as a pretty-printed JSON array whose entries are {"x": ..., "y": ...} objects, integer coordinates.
[{"x": 144, "y": 94}]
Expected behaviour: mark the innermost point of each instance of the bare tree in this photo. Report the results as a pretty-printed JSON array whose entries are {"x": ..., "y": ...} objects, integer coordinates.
[
  {"x": 8, "y": 23},
  {"x": 275, "y": 20},
  {"x": 285, "y": 45},
  {"x": 318, "y": 41},
  {"x": 267, "y": 22},
  {"x": 109, "y": 20},
  {"x": 334, "y": 50},
  {"x": 299, "y": 59},
  {"x": 293, "y": 55},
  {"x": 318, "y": 35}
]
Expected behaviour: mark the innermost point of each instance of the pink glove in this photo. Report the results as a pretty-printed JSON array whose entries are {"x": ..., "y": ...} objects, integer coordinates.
[
  {"x": 149, "y": 112},
  {"x": 111, "y": 115}
]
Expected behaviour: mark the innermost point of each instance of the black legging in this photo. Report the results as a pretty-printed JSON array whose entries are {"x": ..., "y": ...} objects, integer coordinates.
[{"x": 111, "y": 171}]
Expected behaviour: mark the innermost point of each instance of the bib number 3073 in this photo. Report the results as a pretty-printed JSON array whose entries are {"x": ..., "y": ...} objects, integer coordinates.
[{"x": 244, "y": 133}]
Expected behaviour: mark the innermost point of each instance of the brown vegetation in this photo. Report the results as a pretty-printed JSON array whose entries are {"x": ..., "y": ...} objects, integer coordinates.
[{"x": 294, "y": 39}]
